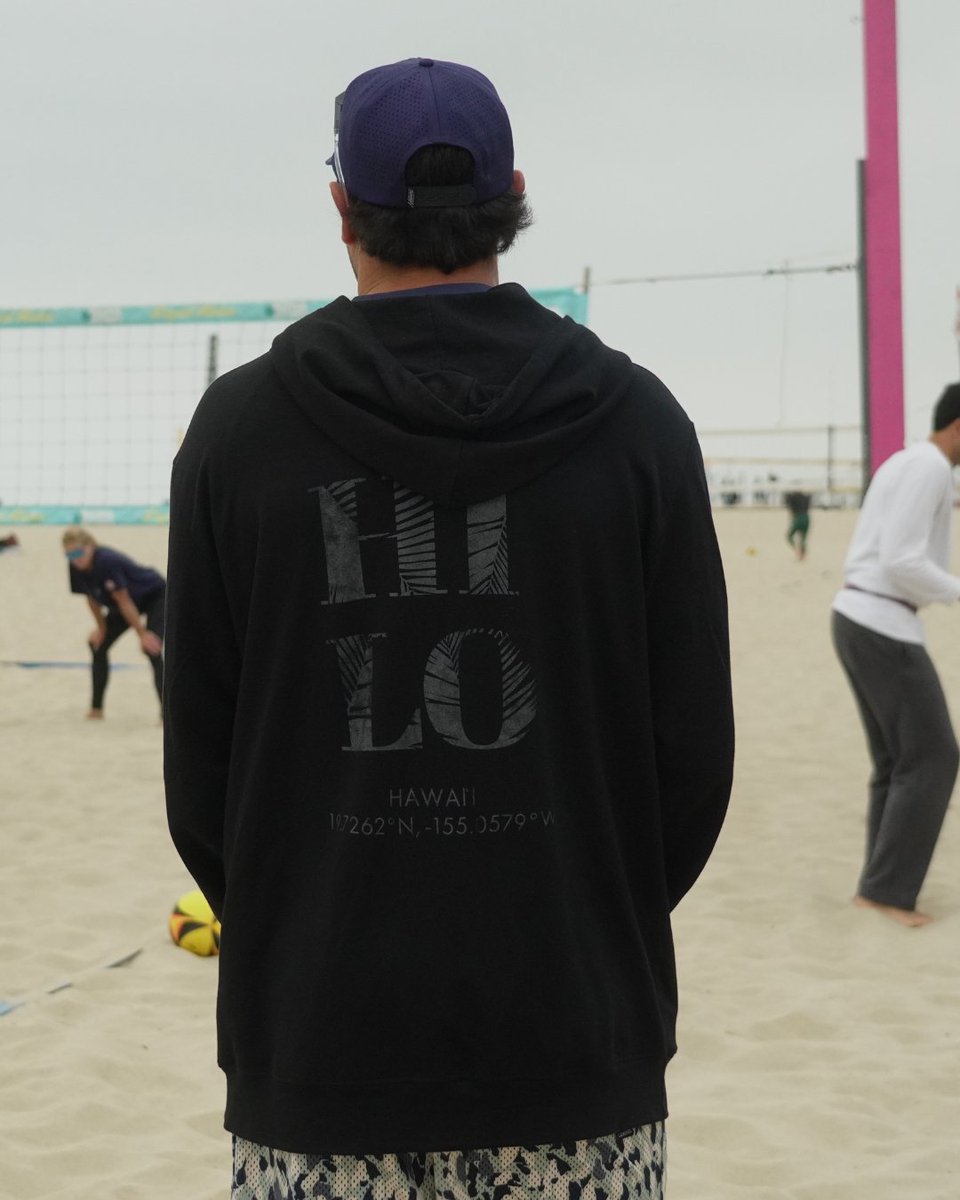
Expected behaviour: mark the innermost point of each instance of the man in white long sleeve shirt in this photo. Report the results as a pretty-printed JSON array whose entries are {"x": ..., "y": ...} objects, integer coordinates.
[{"x": 897, "y": 563}]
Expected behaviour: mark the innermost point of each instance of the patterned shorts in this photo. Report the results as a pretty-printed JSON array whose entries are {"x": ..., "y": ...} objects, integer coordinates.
[{"x": 622, "y": 1166}]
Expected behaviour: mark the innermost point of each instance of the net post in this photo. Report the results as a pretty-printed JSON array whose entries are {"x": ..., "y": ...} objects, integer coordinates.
[{"x": 212, "y": 345}]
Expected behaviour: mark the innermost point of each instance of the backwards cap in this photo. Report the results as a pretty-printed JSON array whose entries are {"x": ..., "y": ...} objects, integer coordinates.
[{"x": 387, "y": 114}]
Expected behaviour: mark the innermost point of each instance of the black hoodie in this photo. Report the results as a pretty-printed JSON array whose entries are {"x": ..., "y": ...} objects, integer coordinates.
[{"x": 448, "y": 723}]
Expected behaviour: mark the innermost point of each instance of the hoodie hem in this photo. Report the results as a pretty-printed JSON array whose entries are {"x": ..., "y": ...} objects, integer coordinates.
[{"x": 392, "y": 1117}]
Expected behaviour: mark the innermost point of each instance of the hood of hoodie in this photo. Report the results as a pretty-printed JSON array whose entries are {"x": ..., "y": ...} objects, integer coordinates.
[{"x": 458, "y": 397}]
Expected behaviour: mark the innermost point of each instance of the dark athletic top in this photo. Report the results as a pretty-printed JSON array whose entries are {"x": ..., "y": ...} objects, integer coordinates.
[
  {"x": 447, "y": 723},
  {"x": 797, "y": 502},
  {"x": 112, "y": 571}
]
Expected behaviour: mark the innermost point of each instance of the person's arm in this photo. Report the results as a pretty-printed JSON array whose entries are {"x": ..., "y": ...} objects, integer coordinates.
[
  {"x": 97, "y": 635},
  {"x": 131, "y": 614},
  {"x": 690, "y": 680},
  {"x": 905, "y": 536},
  {"x": 202, "y": 668}
]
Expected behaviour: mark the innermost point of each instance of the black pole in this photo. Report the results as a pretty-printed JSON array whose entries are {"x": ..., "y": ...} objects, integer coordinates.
[
  {"x": 864, "y": 329},
  {"x": 956, "y": 324},
  {"x": 211, "y": 359},
  {"x": 585, "y": 289}
]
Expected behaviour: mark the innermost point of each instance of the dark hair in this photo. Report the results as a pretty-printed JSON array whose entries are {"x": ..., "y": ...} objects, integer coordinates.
[
  {"x": 947, "y": 409},
  {"x": 445, "y": 238}
]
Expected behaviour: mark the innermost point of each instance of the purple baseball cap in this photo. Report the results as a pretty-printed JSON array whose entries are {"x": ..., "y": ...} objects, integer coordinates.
[{"x": 390, "y": 112}]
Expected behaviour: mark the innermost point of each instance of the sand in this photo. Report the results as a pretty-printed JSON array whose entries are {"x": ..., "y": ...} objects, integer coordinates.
[{"x": 819, "y": 1044}]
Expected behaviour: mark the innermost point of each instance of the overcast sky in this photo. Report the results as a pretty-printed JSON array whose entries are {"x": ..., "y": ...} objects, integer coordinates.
[{"x": 175, "y": 153}]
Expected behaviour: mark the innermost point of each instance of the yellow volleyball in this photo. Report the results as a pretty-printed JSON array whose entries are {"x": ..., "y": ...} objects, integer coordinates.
[{"x": 193, "y": 925}]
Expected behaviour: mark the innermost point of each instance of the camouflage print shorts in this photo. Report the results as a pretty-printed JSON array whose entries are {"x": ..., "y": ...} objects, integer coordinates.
[{"x": 622, "y": 1166}]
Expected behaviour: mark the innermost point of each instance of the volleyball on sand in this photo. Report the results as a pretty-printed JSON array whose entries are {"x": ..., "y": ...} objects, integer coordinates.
[{"x": 193, "y": 925}]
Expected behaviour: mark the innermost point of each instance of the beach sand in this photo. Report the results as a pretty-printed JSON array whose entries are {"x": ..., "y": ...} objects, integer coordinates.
[{"x": 819, "y": 1043}]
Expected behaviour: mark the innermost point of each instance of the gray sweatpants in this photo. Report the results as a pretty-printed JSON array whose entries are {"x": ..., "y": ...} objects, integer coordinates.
[{"x": 914, "y": 753}]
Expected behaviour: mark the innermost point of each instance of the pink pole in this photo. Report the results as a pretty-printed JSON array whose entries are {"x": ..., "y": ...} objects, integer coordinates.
[{"x": 882, "y": 204}]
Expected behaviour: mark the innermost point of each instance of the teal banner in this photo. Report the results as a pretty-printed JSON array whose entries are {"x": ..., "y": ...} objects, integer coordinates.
[
  {"x": 569, "y": 302},
  {"x": 90, "y": 514},
  {"x": 156, "y": 314}
]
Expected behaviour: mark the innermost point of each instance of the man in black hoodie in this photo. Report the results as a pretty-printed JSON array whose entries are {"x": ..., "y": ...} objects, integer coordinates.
[{"x": 448, "y": 719}]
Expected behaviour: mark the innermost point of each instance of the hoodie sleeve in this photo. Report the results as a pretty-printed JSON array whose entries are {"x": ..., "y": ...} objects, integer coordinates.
[
  {"x": 201, "y": 677},
  {"x": 690, "y": 680}
]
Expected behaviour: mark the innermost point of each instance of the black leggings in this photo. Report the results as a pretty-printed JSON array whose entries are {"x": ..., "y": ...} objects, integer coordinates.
[{"x": 116, "y": 626}]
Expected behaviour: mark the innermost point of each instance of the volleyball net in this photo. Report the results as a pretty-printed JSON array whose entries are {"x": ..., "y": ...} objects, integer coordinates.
[
  {"x": 758, "y": 467},
  {"x": 94, "y": 402}
]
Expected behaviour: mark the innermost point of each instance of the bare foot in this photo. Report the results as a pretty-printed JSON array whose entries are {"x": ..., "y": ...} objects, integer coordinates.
[
  {"x": 903, "y": 916},
  {"x": 95, "y": 714}
]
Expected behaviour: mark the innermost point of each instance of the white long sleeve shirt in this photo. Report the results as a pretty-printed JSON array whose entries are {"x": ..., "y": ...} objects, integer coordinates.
[{"x": 901, "y": 545}]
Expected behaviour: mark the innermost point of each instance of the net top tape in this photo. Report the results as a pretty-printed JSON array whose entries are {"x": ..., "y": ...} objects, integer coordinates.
[{"x": 567, "y": 301}]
